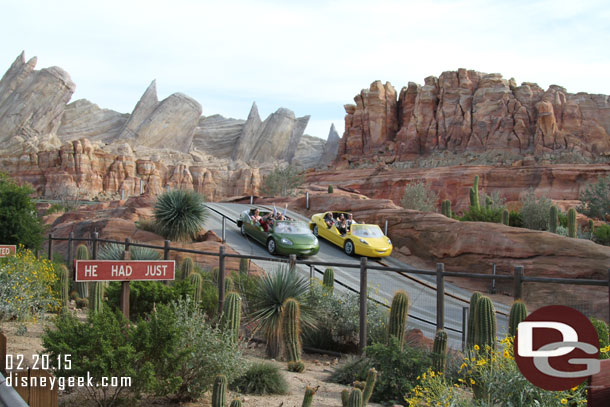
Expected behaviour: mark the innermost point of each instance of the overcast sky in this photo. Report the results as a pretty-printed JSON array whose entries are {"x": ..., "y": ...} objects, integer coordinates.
[{"x": 309, "y": 56}]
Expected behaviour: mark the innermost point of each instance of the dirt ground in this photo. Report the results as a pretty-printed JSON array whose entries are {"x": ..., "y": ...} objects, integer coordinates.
[{"x": 318, "y": 369}]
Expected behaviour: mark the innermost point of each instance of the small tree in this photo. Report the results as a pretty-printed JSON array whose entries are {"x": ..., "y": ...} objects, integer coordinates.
[
  {"x": 419, "y": 197},
  {"x": 282, "y": 181},
  {"x": 19, "y": 221},
  {"x": 535, "y": 211},
  {"x": 596, "y": 199}
]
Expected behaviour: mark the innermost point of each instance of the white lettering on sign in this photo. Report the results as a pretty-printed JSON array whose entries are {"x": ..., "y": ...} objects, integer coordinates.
[
  {"x": 91, "y": 271},
  {"x": 157, "y": 270},
  {"x": 121, "y": 271},
  {"x": 5, "y": 251}
]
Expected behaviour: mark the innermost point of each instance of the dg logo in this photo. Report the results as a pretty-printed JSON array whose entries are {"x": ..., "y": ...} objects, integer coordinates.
[{"x": 556, "y": 348}]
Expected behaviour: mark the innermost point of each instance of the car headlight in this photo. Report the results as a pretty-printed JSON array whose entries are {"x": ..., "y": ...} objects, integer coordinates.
[
  {"x": 315, "y": 241},
  {"x": 389, "y": 241},
  {"x": 364, "y": 242},
  {"x": 287, "y": 242}
]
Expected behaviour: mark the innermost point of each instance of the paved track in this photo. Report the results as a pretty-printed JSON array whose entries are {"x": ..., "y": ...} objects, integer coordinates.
[{"x": 382, "y": 284}]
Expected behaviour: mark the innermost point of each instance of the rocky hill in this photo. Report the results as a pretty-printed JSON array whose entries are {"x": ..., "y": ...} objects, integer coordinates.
[
  {"x": 470, "y": 111},
  {"x": 49, "y": 142}
]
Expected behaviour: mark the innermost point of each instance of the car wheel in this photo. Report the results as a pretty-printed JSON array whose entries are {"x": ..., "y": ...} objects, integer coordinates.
[
  {"x": 349, "y": 248},
  {"x": 271, "y": 246},
  {"x": 243, "y": 230},
  {"x": 315, "y": 230}
]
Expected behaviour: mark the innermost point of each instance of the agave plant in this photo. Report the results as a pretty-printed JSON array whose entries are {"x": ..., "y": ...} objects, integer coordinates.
[
  {"x": 270, "y": 292},
  {"x": 179, "y": 214},
  {"x": 114, "y": 251}
]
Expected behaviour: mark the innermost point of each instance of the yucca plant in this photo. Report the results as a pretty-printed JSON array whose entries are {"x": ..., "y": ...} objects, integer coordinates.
[
  {"x": 180, "y": 214},
  {"x": 114, "y": 251},
  {"x": 268, "y": 296}
]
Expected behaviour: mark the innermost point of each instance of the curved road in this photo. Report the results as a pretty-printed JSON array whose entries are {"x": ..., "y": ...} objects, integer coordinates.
[{"x": 382, "y": 284}]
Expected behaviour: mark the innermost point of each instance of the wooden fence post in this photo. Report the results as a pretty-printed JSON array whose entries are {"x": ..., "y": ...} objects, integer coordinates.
[
  {"x": 70, "y": 263},
  {"x": 292, "y": 262},
  {"x": 50, "y": 247},
  {"x": 363, "y": 304},
  {"x": 517, "y": 283},
  {"x": 94, "y": 246},
  {"x": 125, "y": 287},
  {"x": 221, "y": 279},
  {"x": 440, "y": 296}
]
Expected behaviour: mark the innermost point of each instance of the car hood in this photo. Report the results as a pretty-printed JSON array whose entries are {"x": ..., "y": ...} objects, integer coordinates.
[
  {"x": 374, "y": 241},
  {"x": 305, "y": 238}
]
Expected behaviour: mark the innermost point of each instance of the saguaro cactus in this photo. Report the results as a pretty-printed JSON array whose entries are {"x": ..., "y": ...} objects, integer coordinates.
[
  {"x": 308, "y": 399},
  {"x": 236, "y": 403},
  {"x": 572, "y": 225},
  {"x": 474, "y": 194},
  {"x": 505, "y": 217},
  {"x": 231, "y": 315},
  {"x": 328, "y": 280},
  {"x": 485, "y": 323},
  {"x": 82, "y": 253},
  {"x": 64, "y": 283},
  {"x": 219, "y": 392},
  {"x": 186, "y": 268},
  {"x": 371, "y": 379},
  {"x": 291, "y": 327},
  {"x": 553, "y": 219},
  {"x": 331, "y": 189},
  {"x": 96, "y": 299},
  {"x": 474, "y": 299},
  {"x": 518, "y": 312},
  {"x": 439, "y": 351},
  {"x": 398, "y": 317},
  {"x": 229, "y": 284},
  {"x": 197, "y": 282},
  {"x": 446, "y": 208},
  {"x": 344, "y": 397},
  {"x": 355, "y": 398}
]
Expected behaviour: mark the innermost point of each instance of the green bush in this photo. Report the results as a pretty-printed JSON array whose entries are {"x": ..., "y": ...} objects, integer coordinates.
[
  {"x": 419, "y": 197},
  {"x": 601, "y": 235},
  {"x": 28, "y": 287},
  {"x": 515, "y": 219},
  {"x": 282, "y": 181},
  {"x": 397, "y": 370},
  {"x": 338, "y": 320},
  {"x": 602, "y": 334},
  {"x": 563, "y": 219},
  {"x": 186, "y": 351},
  {"x": 180, "y": 214},
  {"x": 19, "y": 221},
  {"x": 144, "y": 295},
  {"x": 99, "y": 347},
  {"x": 493, "y": 200},
  {"x": 596, "y": 199},
  {"x": 483, "y": 214},
  {"x": 55, "y": 208},
  {"x": 260, "y": 379},
  {"x": 535, "y": 211}
]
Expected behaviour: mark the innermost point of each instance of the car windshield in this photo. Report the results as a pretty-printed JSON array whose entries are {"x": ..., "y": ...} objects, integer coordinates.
[
  {"x": 293, "y": 228},
  {"x": 366, "y": 231}
]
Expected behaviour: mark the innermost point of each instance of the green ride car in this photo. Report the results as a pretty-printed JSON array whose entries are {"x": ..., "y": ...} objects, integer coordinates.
[{"x": 284, "y": 237}]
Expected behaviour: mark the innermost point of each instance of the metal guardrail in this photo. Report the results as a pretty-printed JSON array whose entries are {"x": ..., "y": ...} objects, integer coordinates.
[{"x": 9, "y": 396}]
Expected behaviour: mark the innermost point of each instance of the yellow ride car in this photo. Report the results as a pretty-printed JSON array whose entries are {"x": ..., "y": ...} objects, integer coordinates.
[{"x": 361, "y": 239}]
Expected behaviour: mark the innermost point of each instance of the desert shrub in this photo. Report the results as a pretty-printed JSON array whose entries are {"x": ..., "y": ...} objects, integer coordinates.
[
  {"x": 148, "y": 225},
  {"x": 493, "y": 200},
  {"x": 209, "y": 298},
  {"x": 55, "y": 208},
  {"x": 596, "y": 199},
  {"x": 282, "y": 181},
  {"x": 186, "y": 351},
  {"x": 535, "y": 211},
  {"x": 107, "y": 336},
  {"x": 563, "y": 219},
  {"x": 601, "y": 235},
  {"x": 28, "y": 287},
  {"x": 482, "y": 214},
  {"x": 261, "y": 378},
  {"x": 338, "y": 320},
  {"x": 602, "y": 334},
  {"x": 180, "y": 214},
  {"x": 19, "y": 221},
  {"x": 397, "y": 370},
  {"x": 562, "y": 231},
  {"x": 419, "y": 197},
  {"x": 143, "y": 295},
  {"x": 114, "y": 251},
  {"x": 515, "y": 219}
]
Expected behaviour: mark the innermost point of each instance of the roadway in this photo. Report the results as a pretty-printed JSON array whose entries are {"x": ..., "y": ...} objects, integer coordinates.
[{"x": 382, "y": 284}]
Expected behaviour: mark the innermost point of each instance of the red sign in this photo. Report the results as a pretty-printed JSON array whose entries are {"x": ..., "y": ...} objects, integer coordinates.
[
  {"x": 7, "y": 250},
  {"x": 127, "y": 270}
]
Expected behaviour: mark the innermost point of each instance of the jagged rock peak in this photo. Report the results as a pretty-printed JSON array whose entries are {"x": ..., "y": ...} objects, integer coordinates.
[
  {"x": 329, "y": 152},
  {"x": 254, "y": 115}
]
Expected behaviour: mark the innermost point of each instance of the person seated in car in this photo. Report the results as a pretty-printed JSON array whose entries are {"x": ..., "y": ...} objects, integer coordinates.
[
  {"x": 350, "y": 221},
  {"x": 328, "y": 219},
  {"x": 256, "y": 218},
  {"x": 342, "y": 225},
  {"x": 266, "y": 222}
]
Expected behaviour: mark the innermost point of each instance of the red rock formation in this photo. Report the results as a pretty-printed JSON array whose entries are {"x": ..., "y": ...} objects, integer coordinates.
[{"x": 465, "y": 110}]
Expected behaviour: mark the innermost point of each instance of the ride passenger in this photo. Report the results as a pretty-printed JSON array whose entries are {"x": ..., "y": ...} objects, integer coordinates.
[
  {"x": 256, "y": 217},
  {"x": 328, "y": 219},
  {"x": 342, "y": 225},
  {"x": 350, "y": 220}
]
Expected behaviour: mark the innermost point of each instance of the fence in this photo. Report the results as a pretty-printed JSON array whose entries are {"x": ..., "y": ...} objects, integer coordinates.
[{"x": 518, "y": 278}]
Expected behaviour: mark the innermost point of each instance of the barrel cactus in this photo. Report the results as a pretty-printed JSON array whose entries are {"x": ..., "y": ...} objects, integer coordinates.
[
  {"x": 291, "y": 329},
  {"x": 518, "y": 312},
  {"x": 235, "y": 403},
  {"x": 96, "y": 299},
  {"x": 308, "y": 399},
  {"x": 398, "y": 317},
  {"x": 231, "y": 315},
  {"x": 446, "y": 208},
  {"x": 219, "y": 391},
  {"x": 439, "y": 351},
  {"x": 197, "y": 282},
  {"x": 474, "y": 299},
  {"x": 355, "y": 398},
  {"x": 572, "y": 225},
  {"x": 186, "y": 268},
  {"x": 344, "y": 397},
  {"x": 485, "y": 323},
  {"x": 553, "y": 219},
  {"x": 82, "y": 253},
  {"x": 328, "y": 280}
]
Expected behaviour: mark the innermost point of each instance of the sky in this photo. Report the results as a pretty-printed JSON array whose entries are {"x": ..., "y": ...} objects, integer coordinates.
[{"x": 309, "y": 56}]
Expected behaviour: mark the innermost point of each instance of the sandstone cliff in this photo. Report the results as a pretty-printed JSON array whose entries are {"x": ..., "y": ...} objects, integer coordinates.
[{"x": 466, "y": 110}]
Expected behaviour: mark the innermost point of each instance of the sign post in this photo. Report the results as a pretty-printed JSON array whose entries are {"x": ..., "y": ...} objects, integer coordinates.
[{"x": 7, "y": 250}]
